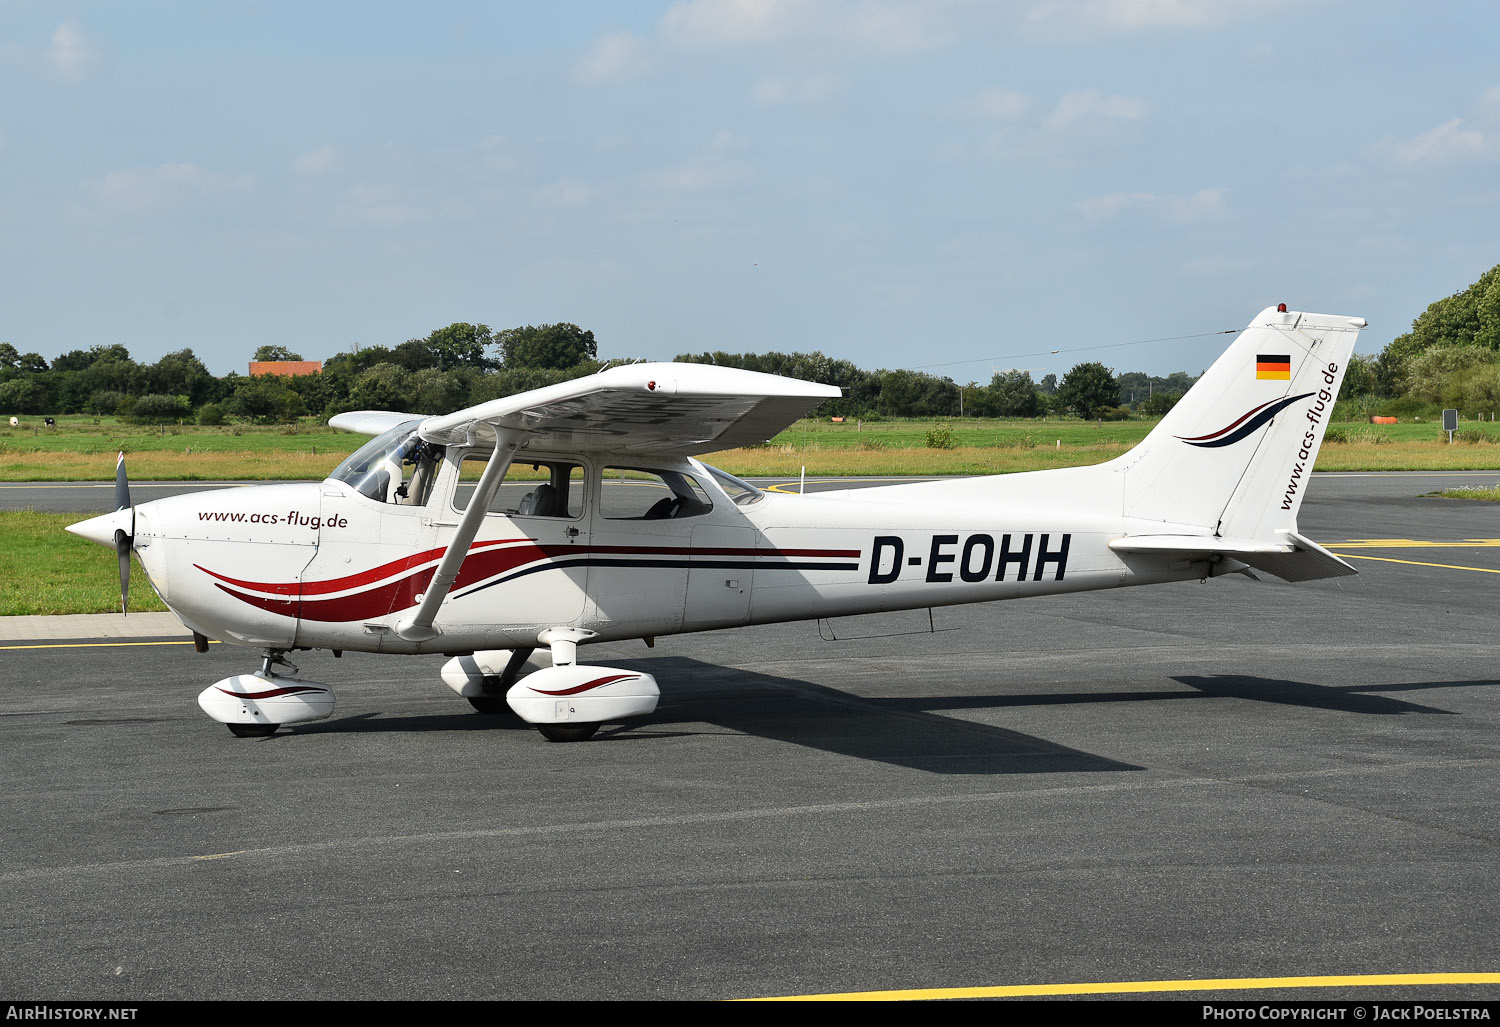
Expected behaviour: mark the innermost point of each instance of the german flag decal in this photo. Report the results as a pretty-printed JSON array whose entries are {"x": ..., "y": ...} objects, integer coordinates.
[{"x": 1275, "y": 366}]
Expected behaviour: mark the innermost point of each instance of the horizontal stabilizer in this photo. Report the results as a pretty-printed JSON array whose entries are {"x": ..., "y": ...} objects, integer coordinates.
[{"x": 1295, "y": 559}]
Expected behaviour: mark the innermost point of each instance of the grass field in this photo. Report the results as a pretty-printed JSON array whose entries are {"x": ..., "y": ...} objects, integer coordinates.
[
  {"x": 1491, "y": 494},
  {"x": 48, "y": 571},
  {"x": 83, "y": 449}
]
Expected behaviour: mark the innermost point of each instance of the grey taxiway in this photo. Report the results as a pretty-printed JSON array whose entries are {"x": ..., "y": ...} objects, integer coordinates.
[{"x": 1232, "y": 779}]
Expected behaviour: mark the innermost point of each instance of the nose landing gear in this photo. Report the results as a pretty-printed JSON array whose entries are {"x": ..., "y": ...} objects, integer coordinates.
[{"x": 255, "y": 705}]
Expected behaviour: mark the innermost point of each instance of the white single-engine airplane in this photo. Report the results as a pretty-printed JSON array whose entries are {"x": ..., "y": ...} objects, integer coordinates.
[{"x": 591, "y": 519}]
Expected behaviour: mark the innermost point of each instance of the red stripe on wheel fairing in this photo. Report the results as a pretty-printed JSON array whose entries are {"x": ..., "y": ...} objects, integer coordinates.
[
  {"x": 596, "y": 683},
  {"x": 272, "y": 693}
]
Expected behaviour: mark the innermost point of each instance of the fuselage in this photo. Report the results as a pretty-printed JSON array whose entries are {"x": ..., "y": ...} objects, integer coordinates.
[{"x": 328, "y": 565}]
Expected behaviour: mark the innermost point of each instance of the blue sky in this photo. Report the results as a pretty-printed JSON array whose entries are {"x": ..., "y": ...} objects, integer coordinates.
[{"x": 961, "y": 184}]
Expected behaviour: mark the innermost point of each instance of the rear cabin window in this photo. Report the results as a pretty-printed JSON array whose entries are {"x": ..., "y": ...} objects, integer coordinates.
[
  {"x": 638, "y": 494},
  {"x": 541, "y": 488}
]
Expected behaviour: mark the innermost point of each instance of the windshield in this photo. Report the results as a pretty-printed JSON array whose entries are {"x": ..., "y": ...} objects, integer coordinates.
[
  {"x": 394, "y": 467},
  {"x": 742, "y": 492}
]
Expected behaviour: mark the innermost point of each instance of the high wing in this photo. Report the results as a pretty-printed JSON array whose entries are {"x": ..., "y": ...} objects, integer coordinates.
[
  {"x": 682, "y": 409},
  {"x": 370, "y": 422}
]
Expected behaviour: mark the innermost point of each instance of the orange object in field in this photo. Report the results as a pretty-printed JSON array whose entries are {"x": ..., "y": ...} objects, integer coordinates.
[{"x": 1382, "y": 420}]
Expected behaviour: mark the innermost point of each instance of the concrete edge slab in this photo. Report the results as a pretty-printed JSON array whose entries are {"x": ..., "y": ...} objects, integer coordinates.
[{"x": 99, "y": 625}]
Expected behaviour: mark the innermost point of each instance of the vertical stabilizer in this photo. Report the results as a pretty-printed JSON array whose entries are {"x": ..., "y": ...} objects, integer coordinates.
[{"x": 1232, "y": 458}]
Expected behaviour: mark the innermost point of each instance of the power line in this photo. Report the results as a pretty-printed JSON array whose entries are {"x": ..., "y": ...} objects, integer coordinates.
[{"x": 1075, "y": 349}]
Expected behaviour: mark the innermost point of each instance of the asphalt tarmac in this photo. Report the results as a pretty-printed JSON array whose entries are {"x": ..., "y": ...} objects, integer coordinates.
[{"x": 1196, "y": 781}]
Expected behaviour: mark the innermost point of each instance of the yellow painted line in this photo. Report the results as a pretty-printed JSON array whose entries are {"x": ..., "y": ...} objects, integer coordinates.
[
  {"x": 1419, "y": 563},
  {"x": 221, "y": 855},
  {"x": 142, "y": 485},
  {"x": 1124, "y": 987},
  {"x": 99, "y": 645},
  {"x": 1408, "y": 543}
]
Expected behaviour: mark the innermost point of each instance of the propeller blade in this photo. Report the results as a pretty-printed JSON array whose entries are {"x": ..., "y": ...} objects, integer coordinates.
[
  {"x": 122, "y": 485},
  {"x": 122, "y": 550},
  {"x": 123, "y": 541}
]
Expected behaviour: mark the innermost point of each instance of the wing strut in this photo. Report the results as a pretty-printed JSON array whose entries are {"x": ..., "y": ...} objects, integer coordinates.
[{"x": 418, "y": 626}]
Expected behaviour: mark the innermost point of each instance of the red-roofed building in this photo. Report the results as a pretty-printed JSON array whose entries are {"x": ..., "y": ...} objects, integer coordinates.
[{"x": 291, "y": 367}]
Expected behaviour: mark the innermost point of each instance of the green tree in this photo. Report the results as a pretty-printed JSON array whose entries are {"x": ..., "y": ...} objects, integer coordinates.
[
  {"x": 1467, "y": 318},
  {"x": 275, "y": 353},
  {"x": 158, "y": 408},
  {"x": 462, "y": 345},
  {"x": 1088, "y": 390},
  {"x": 24, "y": 396},
  {"x": 553, "y": 346},
  {"x": 182, "y": 373},
  {"x": 1430, "y": 373},
  {"x": 1360, "y": 377},
  {"x": 382, "y": 387},
  {"x": 10, "y": 359},
  {"x": 1013, "y": 394},
  {"x": 1158, "y": 403}
]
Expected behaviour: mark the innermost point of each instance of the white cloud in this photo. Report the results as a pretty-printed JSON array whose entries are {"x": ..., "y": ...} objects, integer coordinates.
[
  {"x": 150, "y": 189},
  {"x": 704, "y": 174},
  {"x": 322, "y": 161},
  {"x": 725, "y": 140},
  {"x": 1492, "y": 95},
  {"x": 496, "y": 154},
  {"x": 804, "y": 90},
  {"x": 565, "y": 194},
  {"x": 998, "y": 104},
  {"x": 392, "y": 206},
  {"x": 1138, "y": 15},
  {"x": 617, "y": 57},
  {"x": 707, "y": 24},
  {"x": 890, "y": 26},
  {"x": 1448, "y": 142},
  {"x": 70, "y": 56},
  {"x": 899, "y": 27},
  {"x": 1202, "y": 204},
  {"x": 1086, "y": 109}
]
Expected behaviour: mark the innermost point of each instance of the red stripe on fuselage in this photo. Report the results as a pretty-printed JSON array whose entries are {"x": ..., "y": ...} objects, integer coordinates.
[
  {"x": 480, "y": 565},
  {"x": 374, "y": 574}
]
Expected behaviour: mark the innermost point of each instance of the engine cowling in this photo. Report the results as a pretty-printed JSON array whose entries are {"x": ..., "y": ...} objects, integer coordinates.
[{"x": 583, "y": 695}]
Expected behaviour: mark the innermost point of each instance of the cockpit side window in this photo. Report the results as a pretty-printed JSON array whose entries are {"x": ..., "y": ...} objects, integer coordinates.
[
  {"x": 638, "y": 494},
  {"x": 532, "y": 488},
  {"x": 395, "y": 467}
]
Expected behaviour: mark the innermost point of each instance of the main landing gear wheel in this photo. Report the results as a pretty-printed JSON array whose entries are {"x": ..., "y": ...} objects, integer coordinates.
[
  {"x": 489, "y": 704},
  {"x": 567, "y": 732},
  {"x": 492, "y": 701},
  {"x": 252, "y": 730}
]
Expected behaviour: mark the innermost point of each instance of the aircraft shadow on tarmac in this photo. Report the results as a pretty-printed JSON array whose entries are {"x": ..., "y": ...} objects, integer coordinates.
[
  {"x": 908, "y": 731},
  {"x": 798, "y": 712}
]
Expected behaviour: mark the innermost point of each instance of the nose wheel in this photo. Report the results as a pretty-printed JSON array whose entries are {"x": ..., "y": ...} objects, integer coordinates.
[
  {"x": 256, "y": 705},
  {"x": 252, "y": 730}
]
